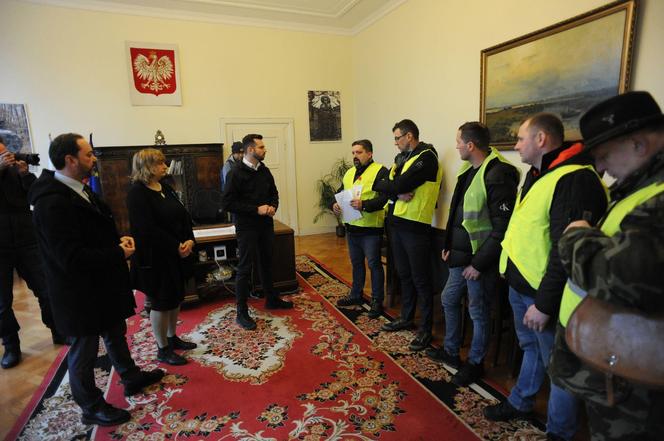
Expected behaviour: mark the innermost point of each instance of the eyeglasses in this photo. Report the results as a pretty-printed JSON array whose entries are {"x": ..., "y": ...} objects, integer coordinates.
[{"x": 396, "y": 138}]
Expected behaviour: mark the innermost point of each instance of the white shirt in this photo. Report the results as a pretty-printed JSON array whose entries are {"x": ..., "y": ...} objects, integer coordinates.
[
  {"x": 75, "y": 185},
  {"x": 250, "y": 165}
]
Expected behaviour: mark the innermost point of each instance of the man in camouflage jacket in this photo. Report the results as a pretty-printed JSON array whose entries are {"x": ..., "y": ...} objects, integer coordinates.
[{"x": 625, "y": 134}]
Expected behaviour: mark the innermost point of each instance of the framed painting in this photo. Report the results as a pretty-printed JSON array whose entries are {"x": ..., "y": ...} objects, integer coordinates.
[
  {"x": 14, "y": 128},
  {"x": 563, "y": 69},
  {"x": 324, "y": 115}
]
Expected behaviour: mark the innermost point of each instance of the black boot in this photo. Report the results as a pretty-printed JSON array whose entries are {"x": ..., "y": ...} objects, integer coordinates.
[
  {"x": 12, "y": 355},
  {"x": 166, "y": 355},
  {"x": 274, "y": 302},
  {"x": 376, "y": 309},
  {"x": 244, "y": 319},
  {"x": 176, "y": 342}
]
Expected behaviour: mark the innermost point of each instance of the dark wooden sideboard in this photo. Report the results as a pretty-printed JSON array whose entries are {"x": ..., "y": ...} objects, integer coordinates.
[{"x": 196, "y": 180}]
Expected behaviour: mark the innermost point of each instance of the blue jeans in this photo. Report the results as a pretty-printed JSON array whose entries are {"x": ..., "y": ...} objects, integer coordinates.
[
  {"x": 537, "y": 347},
  {"x": 361, "y": 246},
  {"x": 480, "y": 293}
]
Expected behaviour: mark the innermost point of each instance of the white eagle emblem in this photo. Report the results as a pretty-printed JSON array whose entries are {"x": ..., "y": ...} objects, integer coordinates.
[{"x": 153, "y": 71}]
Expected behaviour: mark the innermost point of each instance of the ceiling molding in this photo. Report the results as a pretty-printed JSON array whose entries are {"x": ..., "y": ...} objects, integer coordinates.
[
  {"x": 242, "y": 4},
  {"x": 235, "y": 20}
]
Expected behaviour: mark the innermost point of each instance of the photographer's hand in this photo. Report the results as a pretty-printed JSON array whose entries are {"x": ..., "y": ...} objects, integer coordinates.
[
  {"x": 22, "y": 167},
  {"x": 6, "y": 159}
]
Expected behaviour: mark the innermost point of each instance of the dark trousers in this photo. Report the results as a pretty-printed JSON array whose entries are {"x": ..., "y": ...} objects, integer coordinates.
[
  {"x": 26, "y": 261},
  {"x": 412, "y": 260},
  {"x": 251, "y": 244},
  {"x": 81, "y": 361}
]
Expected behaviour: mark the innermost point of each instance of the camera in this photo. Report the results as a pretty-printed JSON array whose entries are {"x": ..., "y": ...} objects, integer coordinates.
[{"x": 29, "y": 158}]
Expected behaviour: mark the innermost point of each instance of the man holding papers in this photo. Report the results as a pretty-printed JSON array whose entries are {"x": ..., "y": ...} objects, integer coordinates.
[{"x": 362, "y": 211}]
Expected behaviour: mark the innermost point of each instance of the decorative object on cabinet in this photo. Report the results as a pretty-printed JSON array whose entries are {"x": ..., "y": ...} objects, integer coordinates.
[
  {"x": 159, "y": 138},
  {"x": 564, "y": 69},
  {"x": 195, "y": 178}
]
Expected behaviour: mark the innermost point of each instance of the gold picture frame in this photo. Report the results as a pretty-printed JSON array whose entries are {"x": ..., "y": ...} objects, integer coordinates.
[{"x": 564, "y": 69}]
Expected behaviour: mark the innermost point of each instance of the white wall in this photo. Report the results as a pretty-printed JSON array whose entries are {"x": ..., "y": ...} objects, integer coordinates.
[
  {"x": 69, "y": 67},
  {"x": 422, "y": 61}
]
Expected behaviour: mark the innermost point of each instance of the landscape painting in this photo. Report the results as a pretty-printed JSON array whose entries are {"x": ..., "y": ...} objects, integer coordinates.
[{"x": 564, "y": 69}]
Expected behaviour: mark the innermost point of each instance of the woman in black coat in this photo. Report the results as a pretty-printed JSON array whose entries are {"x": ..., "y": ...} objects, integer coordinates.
[{"x": 162, "y": 229}]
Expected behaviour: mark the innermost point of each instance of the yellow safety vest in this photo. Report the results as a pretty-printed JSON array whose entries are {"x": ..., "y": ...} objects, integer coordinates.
[
  {"x": 476, "y": 219},
  {"x": 375, "y": 219},
  {"x": 421, "y": 207},
  {"x": 527, "y": 242},
  {"x": 573, "y": 294}
]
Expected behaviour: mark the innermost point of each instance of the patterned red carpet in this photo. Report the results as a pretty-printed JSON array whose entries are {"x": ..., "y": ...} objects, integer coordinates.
[{"x": 313, "y": 373}]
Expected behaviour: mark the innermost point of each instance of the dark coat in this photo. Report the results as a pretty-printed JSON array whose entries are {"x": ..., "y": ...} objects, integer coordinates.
[
  {"x": 159, "y": 225},
  {"x": 86, "y": 270},
  {"x": 501, "y": 181},
  {"x": 16, "y": 228},
  {"x": 246, "y": 190}
]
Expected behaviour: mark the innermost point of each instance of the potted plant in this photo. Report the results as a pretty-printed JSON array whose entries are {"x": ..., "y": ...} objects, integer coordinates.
[{"x": 326, "y": 187}]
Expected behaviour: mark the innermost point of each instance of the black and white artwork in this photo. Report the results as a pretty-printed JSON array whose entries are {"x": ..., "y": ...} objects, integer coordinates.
[
  {"x": 14, "y": 128},
  {"x": 324, "y": 115}
]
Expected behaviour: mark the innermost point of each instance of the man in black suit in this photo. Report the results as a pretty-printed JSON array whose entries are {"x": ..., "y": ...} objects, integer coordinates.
[
  {"x": 85, "y": 263},
  {"x": 18, "y": 250}
]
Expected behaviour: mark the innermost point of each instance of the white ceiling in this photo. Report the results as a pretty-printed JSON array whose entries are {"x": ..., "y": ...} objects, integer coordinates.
[{"x": 345, "y": 17}]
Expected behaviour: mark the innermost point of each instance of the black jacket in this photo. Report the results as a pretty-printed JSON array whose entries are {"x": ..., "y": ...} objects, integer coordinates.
[
  {"x": 16, "y": 228},
  {"x": 578, "y": 195},
  {"x": 424, "y": 169},
  {"x": 501, "y": 181},
  {"x": 87, "y": 273},
  {"x": 246, "y": 190}
]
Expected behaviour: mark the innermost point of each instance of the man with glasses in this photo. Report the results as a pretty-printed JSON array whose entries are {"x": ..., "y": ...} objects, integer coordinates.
[{"x": 412, "y": 190}]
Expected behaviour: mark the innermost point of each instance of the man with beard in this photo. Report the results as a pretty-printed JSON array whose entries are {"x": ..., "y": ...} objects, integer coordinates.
[
  {"x": 365, "y": 234},
  {"x": 89, "y": 287},
  {"x": 412, "y": 189},
  {"x": 252, "y": 196}
]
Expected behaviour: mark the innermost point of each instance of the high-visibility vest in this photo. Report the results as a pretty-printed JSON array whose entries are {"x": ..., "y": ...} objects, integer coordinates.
[
  {"x": 527, "y": 242},
  {"x": 573, "y": 294},
  {"x": 421, "y": 207},
  {"x": 476, "y": 219},
  {"x": 375, "y": 219}
]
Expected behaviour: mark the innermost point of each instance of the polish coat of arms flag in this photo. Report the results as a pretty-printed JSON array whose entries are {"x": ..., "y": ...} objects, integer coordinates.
[{"x": 153, "y": 70}]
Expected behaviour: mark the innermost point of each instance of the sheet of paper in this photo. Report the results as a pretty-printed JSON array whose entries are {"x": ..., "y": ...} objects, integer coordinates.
[
  {"x": 348, "y": 213},
  {"x": 209, "y": 232}
]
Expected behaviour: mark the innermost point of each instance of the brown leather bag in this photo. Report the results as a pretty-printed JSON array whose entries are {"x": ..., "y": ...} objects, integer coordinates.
[{"x": 619, "y": 341}]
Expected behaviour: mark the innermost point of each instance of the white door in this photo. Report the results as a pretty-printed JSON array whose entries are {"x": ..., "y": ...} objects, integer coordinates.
[{"x": 280, "y": 157}]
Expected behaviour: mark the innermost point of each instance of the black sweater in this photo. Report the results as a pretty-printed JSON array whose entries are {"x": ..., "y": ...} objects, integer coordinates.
[{"x": 246, "y": 190}]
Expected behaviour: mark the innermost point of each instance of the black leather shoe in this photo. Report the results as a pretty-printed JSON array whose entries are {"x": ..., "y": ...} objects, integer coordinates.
[
  {"x": 176, "y": 342},
  {"x": 141, "y": 380},
  {"x": 349, "y": 301},
  {"x": 422, "y": 341},
  {"x": 469, "y": 373},
  {"x": 11, "y": 358},
  {"x": 504, "y": 412},
  {"x": 376, "y": 309},
  {"x": 277, "y": 303},
  {"x": 106, "y": 415},
  {"x": 166, "y": 355},
  {"x": 397, "y": 325},
  {"x": 244, "y": 319},
  {"x": 441, "y": 355},
  {"x": 57, "y": 338}
]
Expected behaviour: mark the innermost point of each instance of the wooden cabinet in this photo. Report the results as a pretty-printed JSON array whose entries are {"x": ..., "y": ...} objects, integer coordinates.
[{"x": 195, "y": 179}]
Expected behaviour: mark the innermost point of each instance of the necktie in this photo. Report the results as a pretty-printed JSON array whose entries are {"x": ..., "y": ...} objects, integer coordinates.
[{"x": 88, "y": 191}]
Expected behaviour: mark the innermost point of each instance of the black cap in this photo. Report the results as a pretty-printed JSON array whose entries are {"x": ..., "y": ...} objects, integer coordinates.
[
  {"x": 617, "y": 116},
  {"x": 237, "y": 147}
]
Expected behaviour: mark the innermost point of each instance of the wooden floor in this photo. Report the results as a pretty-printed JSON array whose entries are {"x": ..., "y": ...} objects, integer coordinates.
[{"x": 17, "y": 385}]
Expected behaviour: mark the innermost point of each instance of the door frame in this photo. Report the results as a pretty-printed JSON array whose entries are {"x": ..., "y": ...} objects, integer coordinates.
[{"x": 289, "y": 159}]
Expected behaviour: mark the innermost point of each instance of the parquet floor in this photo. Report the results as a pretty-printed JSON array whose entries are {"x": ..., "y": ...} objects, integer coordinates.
[{"x": 17, "y": 385}]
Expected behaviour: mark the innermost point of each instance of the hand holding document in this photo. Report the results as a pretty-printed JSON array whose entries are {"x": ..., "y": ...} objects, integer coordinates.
[{"x": 343, "y": 198}]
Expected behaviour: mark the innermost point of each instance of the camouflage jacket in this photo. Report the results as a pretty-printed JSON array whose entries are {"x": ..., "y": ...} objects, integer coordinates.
[{"x": 625, "y": 269}]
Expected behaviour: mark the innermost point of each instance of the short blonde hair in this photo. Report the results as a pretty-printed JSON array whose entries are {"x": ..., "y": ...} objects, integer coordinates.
[{"x": 143, "y": 163}]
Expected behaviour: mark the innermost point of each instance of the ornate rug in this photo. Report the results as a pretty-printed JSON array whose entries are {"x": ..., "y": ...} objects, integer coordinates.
[{"x": 313, "y": 373}]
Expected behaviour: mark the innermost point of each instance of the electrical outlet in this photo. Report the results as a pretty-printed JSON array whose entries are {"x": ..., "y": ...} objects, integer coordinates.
[{"x": 220, "y": 252}]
